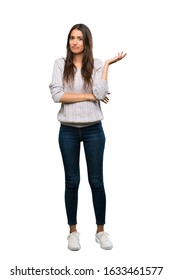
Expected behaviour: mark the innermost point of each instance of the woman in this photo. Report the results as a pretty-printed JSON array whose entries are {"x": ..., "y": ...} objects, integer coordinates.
[{"x": 79, "y": 83}]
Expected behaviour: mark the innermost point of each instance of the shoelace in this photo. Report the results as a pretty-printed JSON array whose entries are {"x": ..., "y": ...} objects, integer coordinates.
[
  {"x": 73, "y": 235},
  {"x": 105, "y": 236}
]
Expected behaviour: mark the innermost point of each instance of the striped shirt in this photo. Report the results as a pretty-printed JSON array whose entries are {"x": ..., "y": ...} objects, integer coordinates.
[{"x": 83, "y": 113}]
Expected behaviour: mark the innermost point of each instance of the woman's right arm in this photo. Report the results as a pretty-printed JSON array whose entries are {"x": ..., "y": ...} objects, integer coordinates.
[
  {"x": 77, "y": 97},
  {"x": 57, "y": 88}
]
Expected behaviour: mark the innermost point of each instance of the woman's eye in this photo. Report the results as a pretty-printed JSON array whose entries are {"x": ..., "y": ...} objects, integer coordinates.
[{"x": 77, "y": 38}]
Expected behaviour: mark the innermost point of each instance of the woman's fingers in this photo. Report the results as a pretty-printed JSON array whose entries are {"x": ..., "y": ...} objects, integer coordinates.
[
  {"x": 105, "y": 100},
  {"x": 118, "y": 57}
]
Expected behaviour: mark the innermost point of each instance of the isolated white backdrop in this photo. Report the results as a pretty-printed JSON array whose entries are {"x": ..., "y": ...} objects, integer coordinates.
[{"x": 138, "y": 125}]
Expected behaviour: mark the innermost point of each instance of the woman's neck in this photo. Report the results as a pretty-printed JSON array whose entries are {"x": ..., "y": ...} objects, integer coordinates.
[{"x": 78, "y": 60}]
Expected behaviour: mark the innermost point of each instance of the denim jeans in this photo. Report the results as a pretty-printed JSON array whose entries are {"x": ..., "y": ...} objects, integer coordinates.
[{"x": 93, "y": 139}]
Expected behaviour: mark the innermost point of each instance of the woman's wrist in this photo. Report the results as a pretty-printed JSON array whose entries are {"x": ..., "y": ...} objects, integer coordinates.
[{"x": 89, "y": 97}]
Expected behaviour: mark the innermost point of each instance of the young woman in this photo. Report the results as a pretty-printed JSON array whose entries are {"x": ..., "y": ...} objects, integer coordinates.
[{"x": 79, "y": 83}]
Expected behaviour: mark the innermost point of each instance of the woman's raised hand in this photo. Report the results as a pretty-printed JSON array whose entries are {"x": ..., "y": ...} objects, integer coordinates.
[{"x": 118, "y": 57}]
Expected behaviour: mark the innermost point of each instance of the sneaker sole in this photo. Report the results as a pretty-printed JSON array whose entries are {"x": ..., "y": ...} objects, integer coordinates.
[{"x": 74, "y": 249}]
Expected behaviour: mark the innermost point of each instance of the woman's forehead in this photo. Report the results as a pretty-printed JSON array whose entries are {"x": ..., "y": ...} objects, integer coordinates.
[{"x": 76, "y": 32}]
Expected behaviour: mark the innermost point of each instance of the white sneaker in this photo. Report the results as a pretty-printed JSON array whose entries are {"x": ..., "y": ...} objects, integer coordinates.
[
  {"x": 103, "y": 239},
  {"x": 73, "y": 241}
]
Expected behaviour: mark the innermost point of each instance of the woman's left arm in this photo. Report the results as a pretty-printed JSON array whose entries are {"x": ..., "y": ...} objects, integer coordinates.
[
  {"x": 100, "y": 85},
  {"x": 111, "y": 61}
]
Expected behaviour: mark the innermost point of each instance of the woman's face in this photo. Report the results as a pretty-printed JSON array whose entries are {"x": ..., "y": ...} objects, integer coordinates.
[{"x": 76, "y": 42}]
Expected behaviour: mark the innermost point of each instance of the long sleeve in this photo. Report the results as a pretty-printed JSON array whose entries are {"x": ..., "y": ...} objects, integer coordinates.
[
  {"x": 100, "y": 87},
  {"x": 56, "y": 86}
]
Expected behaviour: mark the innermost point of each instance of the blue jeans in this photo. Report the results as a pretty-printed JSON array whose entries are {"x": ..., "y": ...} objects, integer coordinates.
[{"x": 93, "y": 139}]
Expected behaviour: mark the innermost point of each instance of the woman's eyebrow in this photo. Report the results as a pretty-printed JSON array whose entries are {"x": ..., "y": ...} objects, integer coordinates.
[{"x": 72, "y": 36}]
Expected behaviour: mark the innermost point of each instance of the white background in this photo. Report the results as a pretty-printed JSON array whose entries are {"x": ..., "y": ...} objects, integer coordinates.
[{"x": 138, "y": 125}]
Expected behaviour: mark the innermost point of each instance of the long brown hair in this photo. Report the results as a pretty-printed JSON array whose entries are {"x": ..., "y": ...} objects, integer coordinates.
[{"x": 87, "y": 62}]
